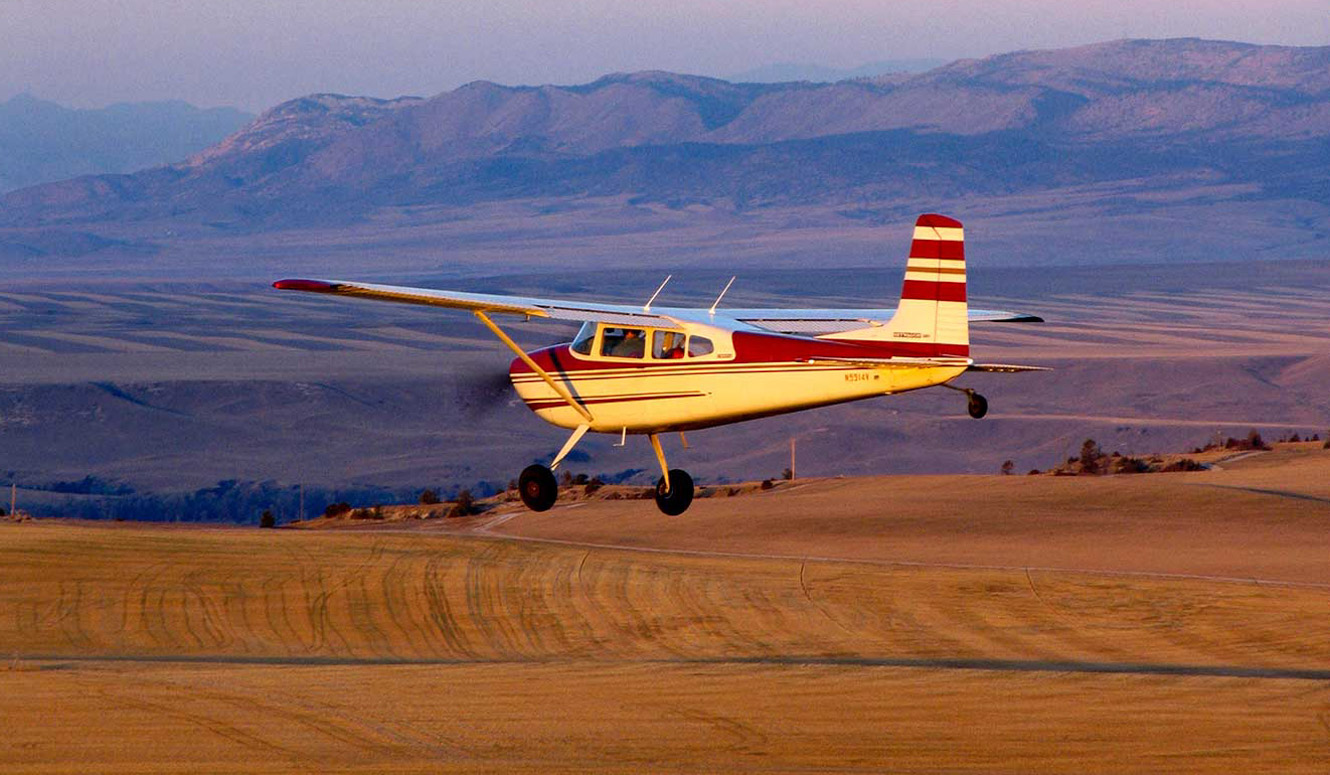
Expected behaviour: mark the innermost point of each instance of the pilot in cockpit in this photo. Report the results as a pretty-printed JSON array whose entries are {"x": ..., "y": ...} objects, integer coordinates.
[{"x": 623, "y": 343}]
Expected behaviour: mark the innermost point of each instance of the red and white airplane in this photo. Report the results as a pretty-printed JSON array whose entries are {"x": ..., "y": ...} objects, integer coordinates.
[{"x": 653, "y": 370}]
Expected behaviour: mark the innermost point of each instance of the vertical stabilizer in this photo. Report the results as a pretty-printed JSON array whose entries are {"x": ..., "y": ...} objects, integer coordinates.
[{"x": 932, "y": 319}]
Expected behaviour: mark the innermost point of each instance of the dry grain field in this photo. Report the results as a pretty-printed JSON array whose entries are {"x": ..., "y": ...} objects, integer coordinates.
[{"x": 1150, "y": 623}]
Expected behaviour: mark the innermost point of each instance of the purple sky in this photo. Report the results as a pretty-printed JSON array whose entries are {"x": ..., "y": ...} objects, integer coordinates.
[{"x": 256, "y": 53}]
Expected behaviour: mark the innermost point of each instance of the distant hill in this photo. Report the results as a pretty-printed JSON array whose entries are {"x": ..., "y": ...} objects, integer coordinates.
[
  {"x": 783, "y": 72},
  {"x": 41, "y": 141},
  {"x": 1129, "y": 131}
]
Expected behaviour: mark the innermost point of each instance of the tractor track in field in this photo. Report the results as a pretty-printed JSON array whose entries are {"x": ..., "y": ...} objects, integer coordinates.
[{"x": 59, "y": 661}]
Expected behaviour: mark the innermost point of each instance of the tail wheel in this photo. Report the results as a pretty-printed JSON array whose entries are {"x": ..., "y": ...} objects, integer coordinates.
[
  {"x": 676, "y": 500},
  {"x": 538, "y": 487},
  {"x": 978, "y": 406}
]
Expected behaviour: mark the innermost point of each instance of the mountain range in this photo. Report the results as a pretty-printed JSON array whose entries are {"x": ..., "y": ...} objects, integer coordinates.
[
  {"x": 42, "y": 141},
  {"x": 784, "y": 72},
  {"x": 1114, "y": 141}
]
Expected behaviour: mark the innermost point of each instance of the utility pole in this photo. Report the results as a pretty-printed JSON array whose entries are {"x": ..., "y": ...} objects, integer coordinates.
[
  {"x": 13, "y": 497},
  {"x": 791, "y": 458},
  {"x": 301, "y": 516}
]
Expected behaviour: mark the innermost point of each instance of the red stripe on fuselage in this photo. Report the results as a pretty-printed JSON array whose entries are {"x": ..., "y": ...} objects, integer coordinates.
[{"x": 551, "y": 403}]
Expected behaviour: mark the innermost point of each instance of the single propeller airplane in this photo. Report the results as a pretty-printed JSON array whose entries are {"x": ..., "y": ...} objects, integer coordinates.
[{"x": 645, "y": 370}]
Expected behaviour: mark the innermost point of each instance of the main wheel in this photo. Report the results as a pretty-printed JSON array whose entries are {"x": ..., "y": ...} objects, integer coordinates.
[
  {"x": 978, "y": 406},
  {"x": 676, "y": 500},
  {"x": 538, "y": 487}
]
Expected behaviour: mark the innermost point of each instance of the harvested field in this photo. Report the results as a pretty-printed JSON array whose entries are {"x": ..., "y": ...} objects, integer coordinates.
[{"x": 161, "y": 649}]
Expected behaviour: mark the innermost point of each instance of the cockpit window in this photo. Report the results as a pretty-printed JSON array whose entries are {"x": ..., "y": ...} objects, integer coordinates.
[
  {"x": 585, "y": 338},
  {"x": 623, "y": 342},
  {"x": 667, "y": 344},
  {"x": 699, "y": 345}
]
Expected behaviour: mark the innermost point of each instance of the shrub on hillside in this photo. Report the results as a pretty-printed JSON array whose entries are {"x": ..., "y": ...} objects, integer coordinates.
[
  {"x": 1130, "y": 465},
  {"x": 464, "y": 505},
  {"x": 1185, "y": 464},
  {"x": 336, "y": 509},
  {"x": 429, "y": 498},
  {"x": 267, "y": 520}
]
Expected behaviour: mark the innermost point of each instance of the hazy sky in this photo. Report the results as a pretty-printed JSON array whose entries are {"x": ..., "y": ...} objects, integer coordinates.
[{"x": 256, "y": 53}]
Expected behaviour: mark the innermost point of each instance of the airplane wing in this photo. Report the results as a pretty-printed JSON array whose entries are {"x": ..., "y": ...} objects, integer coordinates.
[
  {"x": 805, "y": 322},
  {"x": 621, "y": 314}
]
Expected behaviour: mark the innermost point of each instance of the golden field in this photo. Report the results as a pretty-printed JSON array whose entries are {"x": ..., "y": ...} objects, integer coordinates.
[{"x": 1152, "y": 623}]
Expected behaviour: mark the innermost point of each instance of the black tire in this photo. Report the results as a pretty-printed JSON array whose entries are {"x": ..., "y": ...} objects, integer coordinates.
[
  {"x": 978, "y": 406},
  {"x": 538, "y": 487},
  {"x": 680, "y": 495}
]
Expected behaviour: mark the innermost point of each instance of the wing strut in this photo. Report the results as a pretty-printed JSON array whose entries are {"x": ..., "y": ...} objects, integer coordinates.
[{"x": 545, "y": 375}]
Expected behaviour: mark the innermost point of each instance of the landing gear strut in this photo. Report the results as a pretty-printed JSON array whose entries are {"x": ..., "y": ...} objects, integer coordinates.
[
  {"x": 674, "y": 490},
  {"x": 537, "y": 485},
  {"x": 976, "y": 404},
  {"x": 539, "y": 489}
]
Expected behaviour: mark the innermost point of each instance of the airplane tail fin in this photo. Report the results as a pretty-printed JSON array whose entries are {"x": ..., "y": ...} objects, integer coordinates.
[{"x": 932, "y": 319}]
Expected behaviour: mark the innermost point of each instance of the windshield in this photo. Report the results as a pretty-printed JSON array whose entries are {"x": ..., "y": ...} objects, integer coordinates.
[{"x": 585, "y": 336}]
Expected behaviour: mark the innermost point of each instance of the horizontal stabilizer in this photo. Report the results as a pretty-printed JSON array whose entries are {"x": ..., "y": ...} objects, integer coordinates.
[
  {"x": 1004, "y": 368},
  {"x": 995, "y": 316}
]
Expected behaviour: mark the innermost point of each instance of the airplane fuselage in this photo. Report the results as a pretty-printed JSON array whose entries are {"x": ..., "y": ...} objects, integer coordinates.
[
  {"x": 648, "y": 371},
  {"x": 747, "y": 376}
]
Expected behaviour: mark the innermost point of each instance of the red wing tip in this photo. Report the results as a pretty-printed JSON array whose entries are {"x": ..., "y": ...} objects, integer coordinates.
[
  {"x": 938, "y": 221},
  {"x": 317, "y": 286}
]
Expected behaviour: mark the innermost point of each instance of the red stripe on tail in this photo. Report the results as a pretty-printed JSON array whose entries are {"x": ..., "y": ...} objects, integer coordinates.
[
  {"x": 931, "y": 248},
  {"x": 926, "y": 290}
]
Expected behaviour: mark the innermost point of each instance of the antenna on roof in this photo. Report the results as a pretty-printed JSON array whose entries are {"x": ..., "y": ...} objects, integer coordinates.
[
  {"x": 716, "y": 303},
  {"x": 647, "y": 307}
]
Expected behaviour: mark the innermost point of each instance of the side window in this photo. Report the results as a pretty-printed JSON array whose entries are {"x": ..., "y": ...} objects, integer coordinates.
[
  {"x": 623, "y": 342},
  {"x": 585, "y": 338},
  {"x": 699, "y": 345},
  {"x": 667, "y": 344}
]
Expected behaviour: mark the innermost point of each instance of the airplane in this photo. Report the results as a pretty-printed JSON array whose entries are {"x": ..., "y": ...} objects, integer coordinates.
[{"x": 653, "y": 370}]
